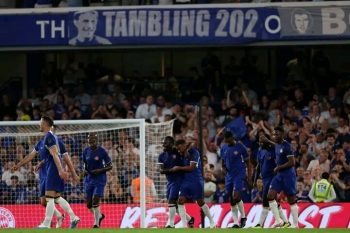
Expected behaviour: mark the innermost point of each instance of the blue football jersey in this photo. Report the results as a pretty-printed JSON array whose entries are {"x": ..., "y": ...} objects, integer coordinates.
[
  {"x": 193, "y": 156},
  {"x": 49, "y": 141},
  {"x": 234, "y": 158},
  {"x": 266, "y": 160},
  {"x": 95, "y": 159},
  {"x": 170, "y": 159},
  {"x": 283, "y": 151}
]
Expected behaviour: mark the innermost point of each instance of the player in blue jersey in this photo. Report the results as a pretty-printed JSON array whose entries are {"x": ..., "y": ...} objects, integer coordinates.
[
  {"x": 42, "y": 178},
  {"x": 265, "y": 169},
  {"x": 56, "y": 175},
  {"x": 168, "y": 159},
  {"x": 193, "y": 183},
  {"x": 235, "y": 160},
  {"x": 96, "y": 164},
  {"x": 285, "y": 178}
]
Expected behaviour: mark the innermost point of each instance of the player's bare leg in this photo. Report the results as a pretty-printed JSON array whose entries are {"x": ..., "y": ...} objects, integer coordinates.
[{"x": 206, "y": 212}]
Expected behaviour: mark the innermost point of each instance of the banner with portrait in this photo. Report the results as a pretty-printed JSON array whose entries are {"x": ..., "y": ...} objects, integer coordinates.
[{"x": 228, "y": 24}]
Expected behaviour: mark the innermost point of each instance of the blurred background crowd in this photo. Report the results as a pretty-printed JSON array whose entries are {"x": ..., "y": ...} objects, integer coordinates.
[{"x": 312, "y": 103}]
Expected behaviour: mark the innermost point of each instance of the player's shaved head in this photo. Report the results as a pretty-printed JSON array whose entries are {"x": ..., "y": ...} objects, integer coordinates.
[
  {"x": 92, "y": 140},
  {"x": 168, "y": 143}
]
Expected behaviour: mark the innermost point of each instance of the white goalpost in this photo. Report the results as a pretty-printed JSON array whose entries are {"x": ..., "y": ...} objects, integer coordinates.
[{"x": 135, "y": 192}]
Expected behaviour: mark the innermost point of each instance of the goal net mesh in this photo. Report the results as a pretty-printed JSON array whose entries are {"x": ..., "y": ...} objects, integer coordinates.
[{"x": 19, "y": 190}]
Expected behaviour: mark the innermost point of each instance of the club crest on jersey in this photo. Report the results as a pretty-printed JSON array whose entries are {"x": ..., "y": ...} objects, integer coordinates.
[
  {"x": 96, "y": 158},
  {"x": 235, "y": 152},
  {"x": 174, "y": 156},
  {"x": 281, "y": 150}
]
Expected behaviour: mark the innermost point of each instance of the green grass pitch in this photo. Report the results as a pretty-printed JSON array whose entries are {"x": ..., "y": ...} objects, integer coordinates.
[{"x": 173, "y": 230}]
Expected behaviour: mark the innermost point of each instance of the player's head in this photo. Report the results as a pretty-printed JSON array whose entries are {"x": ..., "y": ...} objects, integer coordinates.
[
  {"x": 45, "y": 123},
  {"x": 181, "y": 146},
  {"x": 277, "y": 134},
  {"x": 168, "y": 143},
  {"x": 86, "y": 23},
  {"x": 229, "y": 138},
  {"x": 92, "y": 140}
]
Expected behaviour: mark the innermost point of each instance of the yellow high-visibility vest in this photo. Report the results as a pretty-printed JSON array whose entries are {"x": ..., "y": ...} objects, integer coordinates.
[{"x": 322, "y": 190}]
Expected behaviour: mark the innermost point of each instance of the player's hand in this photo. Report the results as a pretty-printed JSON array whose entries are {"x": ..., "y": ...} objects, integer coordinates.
[
  {"x": 64, "y": 175},
  {"x": 14, "y": 168},
  {"x": 174, "y": 169},
  {"x": 276, "y": 169},
  {"x": 163, "y": 171},
  {"x": 94, "y": 172}
]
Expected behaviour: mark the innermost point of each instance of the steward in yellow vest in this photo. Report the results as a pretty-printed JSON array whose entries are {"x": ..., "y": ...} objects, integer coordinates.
[{"x": 322, "y": 190}]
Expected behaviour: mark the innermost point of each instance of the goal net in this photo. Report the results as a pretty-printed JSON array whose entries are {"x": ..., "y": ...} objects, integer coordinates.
[{"x": 135, "y": 192}]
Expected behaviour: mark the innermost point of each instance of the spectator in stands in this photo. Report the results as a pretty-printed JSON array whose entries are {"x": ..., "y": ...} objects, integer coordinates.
[
  {"x": 209, "y": 187},
  {"x": 302, "y": 192},
  {"x": 8, "y": 174},
  {"x": 146, "y": 110},
  {"x": 221, "y": 195},
  {"x": 158, "y": 117},
  {"x": 17, "y": 193},
  {"x": 257, "y": 192},
  {"x": 74, "y": 193},
  {"x": 322, "y": 161},
  {"x": 84, "y": 98},
  {"x": 4, "y": 193},
  {"x": 150, "y": 190},
  {"x": 114, "y": 192},
  {"x": 31, "y": 189}
]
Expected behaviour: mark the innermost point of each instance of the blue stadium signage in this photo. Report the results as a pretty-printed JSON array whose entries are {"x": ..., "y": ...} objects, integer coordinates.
[{"x": 173, "y": 25}]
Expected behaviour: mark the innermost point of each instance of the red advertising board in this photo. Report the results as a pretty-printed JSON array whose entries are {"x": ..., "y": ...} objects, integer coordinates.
[{"x": 335, "y": 215}]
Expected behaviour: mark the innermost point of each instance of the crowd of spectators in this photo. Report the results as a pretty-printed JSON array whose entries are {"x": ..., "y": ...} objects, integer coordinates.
[{"x": 315, "y": 119}]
